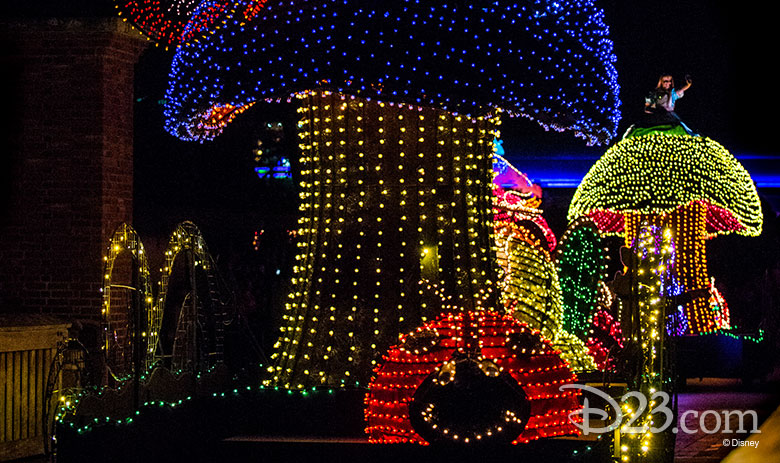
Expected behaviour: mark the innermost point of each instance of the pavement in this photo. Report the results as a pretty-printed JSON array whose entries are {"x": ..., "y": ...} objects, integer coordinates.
[{"x": 719, "y": 437}]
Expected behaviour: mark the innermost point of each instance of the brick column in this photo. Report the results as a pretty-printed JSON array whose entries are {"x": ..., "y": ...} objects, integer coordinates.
[{"x": 68, "y": 159}]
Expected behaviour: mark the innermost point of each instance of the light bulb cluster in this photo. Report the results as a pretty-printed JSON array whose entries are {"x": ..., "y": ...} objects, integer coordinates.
[
  {"x": 552, "y": 62},
  {"x": 515, "y": 348},
  {"x": 118, "y": 317},
  {"x": 172, "y": 22},
  {"x": 430, "y": 416},
  {"x": 604, "y": 339},
  {"x": 74, "y": 419},
  {"x": 692, "y": 185},
  {"x": 186, "y": 237},
  {"x": 581, "y": 262},
  {"x": 719, "y": 308},
  {"x": 520, "y": 208},
  {"x": 391, "y": 193},
  {"x": 215, "y": 119},
  {"x": 652, "y": 251},
  {"x": 757, "y": 338},
  {"x": 512, "y": 185},
  {"x": 688, "y": 269},
  {"x": 529, "y": 288}
]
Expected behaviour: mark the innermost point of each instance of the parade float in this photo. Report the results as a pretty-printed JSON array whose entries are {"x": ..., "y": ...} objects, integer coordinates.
[{"x": 427, "y": 279}]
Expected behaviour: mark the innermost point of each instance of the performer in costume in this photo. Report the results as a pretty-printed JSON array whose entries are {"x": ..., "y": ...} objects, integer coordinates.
[
  {"x": 664, "y": 97},
  {"x": 659, "y": 108}
]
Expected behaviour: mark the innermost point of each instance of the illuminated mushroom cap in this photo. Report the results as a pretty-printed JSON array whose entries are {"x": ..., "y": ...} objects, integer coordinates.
[
  {"x": 550, "y": 61},
  {"x": 658, "y": 173}
]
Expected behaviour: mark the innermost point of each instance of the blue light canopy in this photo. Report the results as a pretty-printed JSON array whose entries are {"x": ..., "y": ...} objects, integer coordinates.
[{"x": 549, "y": 61}]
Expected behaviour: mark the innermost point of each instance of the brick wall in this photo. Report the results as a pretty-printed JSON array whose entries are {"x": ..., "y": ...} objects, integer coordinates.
[{"x": 68, "y": 166}]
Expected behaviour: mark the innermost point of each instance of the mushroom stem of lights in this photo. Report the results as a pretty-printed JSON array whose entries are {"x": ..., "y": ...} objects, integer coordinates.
[
  {"x": 692, "y": 185},
  {"x": 392, "y": 193},
  {"x": 398, "y": 107}
]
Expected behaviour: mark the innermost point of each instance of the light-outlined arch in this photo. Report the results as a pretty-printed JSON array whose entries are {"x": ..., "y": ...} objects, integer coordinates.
[
  {"x": 187, "y": 238},
  {"x": 127, "y": 340}
]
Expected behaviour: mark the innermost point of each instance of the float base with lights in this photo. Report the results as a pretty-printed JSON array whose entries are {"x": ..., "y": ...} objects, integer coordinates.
[{"x": 398, "y": 112}]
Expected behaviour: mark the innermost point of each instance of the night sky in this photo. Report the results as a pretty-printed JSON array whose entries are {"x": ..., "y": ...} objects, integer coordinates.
[
  {"x": 727, "y": 52},
  {"x": 724, "y": 49}
]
